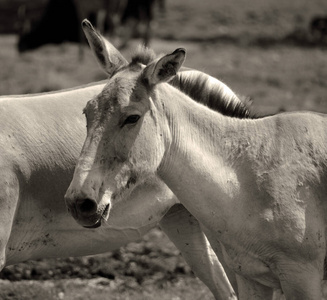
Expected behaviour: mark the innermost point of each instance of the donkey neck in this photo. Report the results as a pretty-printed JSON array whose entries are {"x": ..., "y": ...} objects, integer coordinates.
[{"x": 204, "y": 148}]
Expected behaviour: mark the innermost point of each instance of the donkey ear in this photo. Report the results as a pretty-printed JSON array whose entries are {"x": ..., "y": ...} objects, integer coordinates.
[
  {"x": 109, "y": 58},
  {"x": 165, "y": 68}
]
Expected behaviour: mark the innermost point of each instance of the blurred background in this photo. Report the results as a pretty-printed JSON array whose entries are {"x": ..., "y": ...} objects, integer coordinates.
[{"x": 273, "y": 51}]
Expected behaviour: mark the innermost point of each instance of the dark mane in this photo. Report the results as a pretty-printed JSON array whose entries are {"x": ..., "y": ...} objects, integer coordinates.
[
  {"x": 202, "y": 88},
  {"x": 212, "y": 93}
]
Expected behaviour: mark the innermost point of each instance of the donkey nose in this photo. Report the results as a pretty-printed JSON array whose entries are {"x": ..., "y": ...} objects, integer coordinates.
[{"x": 86, "y": 207}]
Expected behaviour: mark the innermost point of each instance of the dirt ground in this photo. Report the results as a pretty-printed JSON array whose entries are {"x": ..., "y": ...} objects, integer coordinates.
[{"x": 261, "y": 49}]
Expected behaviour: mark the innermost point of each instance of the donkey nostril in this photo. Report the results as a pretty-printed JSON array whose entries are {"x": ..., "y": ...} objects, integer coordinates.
[{"x": 88, "y": 206}]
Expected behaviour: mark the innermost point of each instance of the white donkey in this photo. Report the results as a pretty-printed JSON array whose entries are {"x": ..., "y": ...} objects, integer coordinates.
[
  {"x": 40, "y": 139},
  {"x": 258, "y": 187}
]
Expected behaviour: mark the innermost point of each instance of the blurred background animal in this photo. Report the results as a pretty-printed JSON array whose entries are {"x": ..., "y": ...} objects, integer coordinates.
[
  {"x": 318, "y": 29},
  {"x": 124, "y": 19}
]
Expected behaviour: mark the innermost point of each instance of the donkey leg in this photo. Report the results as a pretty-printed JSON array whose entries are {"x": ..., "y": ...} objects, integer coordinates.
[
  {"x": 185, "y": 232},
  {"x": 301, "y": 280},
  {"x": 9, "y": 194},
  {"x": 251, "y": 290},
  {"x": 215, "y": 245}
]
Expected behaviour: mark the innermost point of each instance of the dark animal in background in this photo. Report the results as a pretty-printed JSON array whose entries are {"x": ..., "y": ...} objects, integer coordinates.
[
  {"x": 58, "y": 24},
  {"x": 318, "y": 29},
  {"x": 138, "y": 19},
  {"x": 62, "y": 18}
]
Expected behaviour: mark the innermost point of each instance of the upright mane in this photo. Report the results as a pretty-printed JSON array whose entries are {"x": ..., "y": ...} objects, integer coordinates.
[
  {"x": 203, "y": 88},
  {"x": 212, "y": 93}
]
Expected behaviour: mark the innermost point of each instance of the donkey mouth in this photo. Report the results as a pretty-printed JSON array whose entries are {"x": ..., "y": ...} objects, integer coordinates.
[
  {"x": 96, "y": 225},
  {"x": 104, "y": 216}
]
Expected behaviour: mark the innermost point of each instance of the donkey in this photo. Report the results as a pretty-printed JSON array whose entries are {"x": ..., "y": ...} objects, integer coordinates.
[
  {"x": 41, "y": 137},
  {"x": 257, "y": 186}
]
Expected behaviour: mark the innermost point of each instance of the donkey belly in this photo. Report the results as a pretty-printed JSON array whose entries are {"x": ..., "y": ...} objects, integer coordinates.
[
  {"x": 29, "y": 243},
  {"x": 49, "y": 231}
]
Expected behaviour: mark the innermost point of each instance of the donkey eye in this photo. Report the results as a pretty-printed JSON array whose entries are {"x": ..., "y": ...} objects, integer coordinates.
[{"x": 131, "y": 119}]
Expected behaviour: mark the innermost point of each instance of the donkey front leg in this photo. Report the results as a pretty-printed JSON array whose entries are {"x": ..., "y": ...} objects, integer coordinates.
[
  {"x": 185, "y": 232},
  {"x": 301, "y": 280},
  {"x": 9, "y": 194},
  {"x": 251, "y": 290}
]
